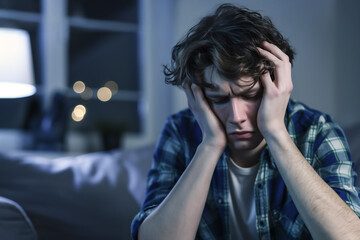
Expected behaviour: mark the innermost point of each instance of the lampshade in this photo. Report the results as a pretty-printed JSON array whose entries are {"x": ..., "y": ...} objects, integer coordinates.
[{"x": 16, "y": 67}]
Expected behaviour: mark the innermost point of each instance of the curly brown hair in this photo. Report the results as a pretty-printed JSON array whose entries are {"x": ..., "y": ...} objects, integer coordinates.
[{"x": 227, "y": 41}]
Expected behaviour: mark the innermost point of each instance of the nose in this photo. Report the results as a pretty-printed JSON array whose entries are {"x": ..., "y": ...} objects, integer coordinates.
[{"x": 237, "y": 110}]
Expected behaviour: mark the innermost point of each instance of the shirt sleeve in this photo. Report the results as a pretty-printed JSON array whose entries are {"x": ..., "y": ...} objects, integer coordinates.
[
  {"x": 335, "y": 167},
  {"x": 168, "y": 165}
]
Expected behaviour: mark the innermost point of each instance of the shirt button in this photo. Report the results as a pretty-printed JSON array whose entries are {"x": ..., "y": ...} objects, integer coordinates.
[
  {"x": 220, "y": 201},
  {"x": 260, "y": 185}
]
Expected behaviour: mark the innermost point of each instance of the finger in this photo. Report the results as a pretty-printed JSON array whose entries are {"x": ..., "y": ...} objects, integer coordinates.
[
  {"x": 275, "y": 50},
  {"x": 198, "y": 93},
  {"x": 186, "y": 83},
  {"x": 189, "y": 95},
  {"x": 274, "y": 59},
  {"x": 200, "y": 98},
  {"x": 268, "y": 55},
  {"x": 267, "y": 82},
  {"x": 188, "y": 90},
  {"x": 282, "y": 66}
]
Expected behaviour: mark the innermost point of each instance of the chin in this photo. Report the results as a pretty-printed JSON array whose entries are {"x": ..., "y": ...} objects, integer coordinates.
[
  {"x": 246, "y": 145},
  {"x": 243, "y": 147}
]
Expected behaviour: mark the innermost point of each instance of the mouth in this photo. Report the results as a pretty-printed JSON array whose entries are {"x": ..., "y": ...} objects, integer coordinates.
[{"x": 241, "y": 134}]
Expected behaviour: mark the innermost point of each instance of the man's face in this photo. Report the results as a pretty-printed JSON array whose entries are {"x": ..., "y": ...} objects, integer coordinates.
[{"x": 236, "y": 105}]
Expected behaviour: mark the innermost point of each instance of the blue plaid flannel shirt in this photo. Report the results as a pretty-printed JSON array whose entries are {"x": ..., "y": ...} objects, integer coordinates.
[{"x": 321, "y": 141}]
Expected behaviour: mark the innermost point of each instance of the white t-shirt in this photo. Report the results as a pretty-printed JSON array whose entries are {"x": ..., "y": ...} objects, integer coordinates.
[{"x": 242, "y": 201}]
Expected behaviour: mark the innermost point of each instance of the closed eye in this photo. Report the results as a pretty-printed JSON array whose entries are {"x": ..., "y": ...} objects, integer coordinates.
[
  {"x": 218, "y": 100},
  {"x": 254, "y": 96}
]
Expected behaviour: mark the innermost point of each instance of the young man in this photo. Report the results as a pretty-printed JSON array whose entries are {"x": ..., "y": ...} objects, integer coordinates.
[{"x": 245, "y": 161}]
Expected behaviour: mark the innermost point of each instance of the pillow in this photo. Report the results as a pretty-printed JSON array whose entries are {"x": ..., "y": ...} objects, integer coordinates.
[{"x": 14, "y": 223}]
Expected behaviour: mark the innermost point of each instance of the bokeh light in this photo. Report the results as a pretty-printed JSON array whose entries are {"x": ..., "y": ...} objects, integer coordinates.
[
  {"x": 113, "y": 86},
  {"x": 104, "y": 94},
  {"x": 79, "y": 87},
  {"x": 78, "y": 113},
  {"x": 87, "y": 94}
]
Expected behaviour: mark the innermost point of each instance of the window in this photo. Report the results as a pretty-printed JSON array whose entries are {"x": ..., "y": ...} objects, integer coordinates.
[
  {"x": 100, "y": 49},
  {"x": 32, "y": 6},
  {"x": 103, "y": 49}
]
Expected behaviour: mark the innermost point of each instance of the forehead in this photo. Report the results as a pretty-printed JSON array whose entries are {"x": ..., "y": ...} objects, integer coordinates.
[{"x": 220, "y": 84}]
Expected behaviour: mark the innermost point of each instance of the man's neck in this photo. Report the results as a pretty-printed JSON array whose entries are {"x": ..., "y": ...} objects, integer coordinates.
[{"x": 247, "y": 158}]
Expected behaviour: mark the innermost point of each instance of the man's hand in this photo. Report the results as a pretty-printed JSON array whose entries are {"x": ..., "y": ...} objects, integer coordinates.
[
  {"x": 211, "y": 127},
  {"x": 276, "y": 91},
  {"x": 324, "y": 213},
  {"x": 180, "y": 212}
]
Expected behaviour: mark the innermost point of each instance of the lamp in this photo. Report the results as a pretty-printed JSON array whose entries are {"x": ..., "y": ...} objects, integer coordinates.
[{"x": 16, "y": 68}]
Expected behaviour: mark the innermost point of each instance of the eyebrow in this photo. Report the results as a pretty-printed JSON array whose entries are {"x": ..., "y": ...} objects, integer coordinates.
[
  {"x": 219, "y": 94},
  {"x": 247, "y": 91},
  {"x": 216, "y": 95}
]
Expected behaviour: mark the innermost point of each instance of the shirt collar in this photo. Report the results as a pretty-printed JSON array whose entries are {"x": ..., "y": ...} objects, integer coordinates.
[{"x": 265, "y": 156}]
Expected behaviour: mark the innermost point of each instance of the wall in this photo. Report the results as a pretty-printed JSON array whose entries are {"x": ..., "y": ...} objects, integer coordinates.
[
  {"x": 347, "y": 54},
  {"x": 156, "y": 33}
]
